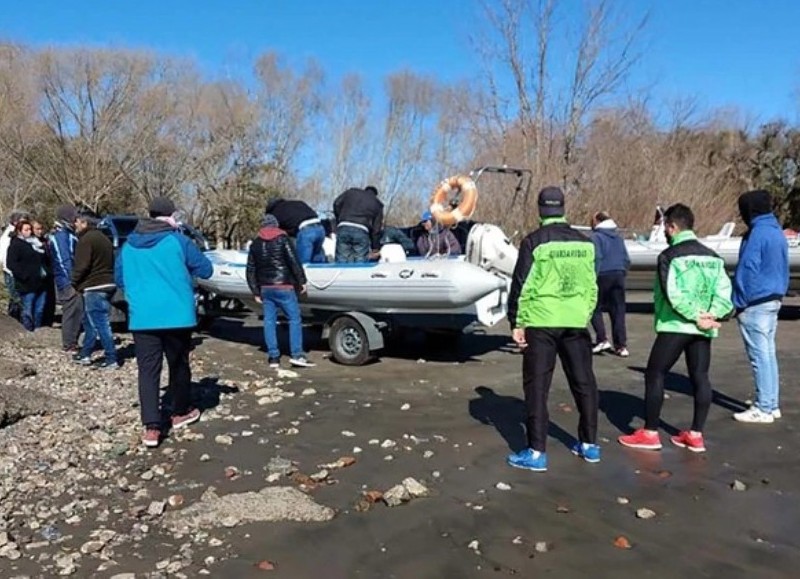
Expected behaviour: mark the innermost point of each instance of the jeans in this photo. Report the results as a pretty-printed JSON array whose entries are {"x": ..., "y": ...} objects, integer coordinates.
[
  {"x": 286, "y": 300},
  {"x": 32, "y": 309},
  {"x": 574, "y": 347},
  {"x": 309, "y": 244},
  {"x": 666, "y": 350},
  {"x": 151, "y": 348},
  {"x": 96, "y": 307},
  {"x": 14, "y": 302},
  {"x": 758, "y": 325},
  {"x": 352, "y": 244},
  {"x": 611, "y": 296}
]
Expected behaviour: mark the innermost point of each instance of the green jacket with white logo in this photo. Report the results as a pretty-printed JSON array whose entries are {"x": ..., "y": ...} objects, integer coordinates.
[
  {"x": 555, "y": 281},
  {"x": 691, "y": 280}
]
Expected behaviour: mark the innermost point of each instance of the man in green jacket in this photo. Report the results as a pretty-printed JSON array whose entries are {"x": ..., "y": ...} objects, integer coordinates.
[
  {"x": 692, "y": 293},
  {"x": 553, "y": 295}
]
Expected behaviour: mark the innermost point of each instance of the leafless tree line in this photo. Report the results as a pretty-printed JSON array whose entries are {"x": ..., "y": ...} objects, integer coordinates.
[{"x": 111, "y": 129}]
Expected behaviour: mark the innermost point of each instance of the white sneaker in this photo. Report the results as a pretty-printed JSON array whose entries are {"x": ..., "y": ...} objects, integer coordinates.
[
  {"x": 623, "y": 352},
  {"x": 754, "y": 416},
  {"x": 776, "y": 414},
  {"x": 601, "y": 347},
  {"x": 301, "y": 362}
]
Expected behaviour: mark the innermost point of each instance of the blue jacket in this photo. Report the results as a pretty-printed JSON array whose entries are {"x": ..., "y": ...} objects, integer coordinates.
[
  {"x": 155, "y": 270},
  {"x": 63, "y": 243},
  {"x": 610, "y": 249},
  {"x": 762, "y": 274}
]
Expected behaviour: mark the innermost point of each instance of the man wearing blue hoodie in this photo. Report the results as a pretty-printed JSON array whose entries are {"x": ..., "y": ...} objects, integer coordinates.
[
  {"x": 155, "y": 269},
  {"x": 760, "y": 282},
  {"x": 613, "y": 265},
  {"x": 63, "y": 242}
]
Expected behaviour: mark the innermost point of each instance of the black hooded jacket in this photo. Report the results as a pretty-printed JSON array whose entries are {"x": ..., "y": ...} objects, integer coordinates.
[
  {"x": 290, "y": 213},
  {"x": 272, "y": 262}
]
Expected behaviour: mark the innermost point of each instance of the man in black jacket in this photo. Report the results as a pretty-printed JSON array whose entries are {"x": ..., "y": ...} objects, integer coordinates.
[
  {"x": 359, "y": 221},
  {"x": 274, "y": 274},
  {"x": 93, "y": 276},
  {"x": 302, "y": 223}
]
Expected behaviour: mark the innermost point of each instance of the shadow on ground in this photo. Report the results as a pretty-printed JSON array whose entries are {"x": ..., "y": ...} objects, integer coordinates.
[{"x": 507, "y": 415}]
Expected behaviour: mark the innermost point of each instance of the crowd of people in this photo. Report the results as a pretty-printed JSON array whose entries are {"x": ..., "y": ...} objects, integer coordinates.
[{"x": 563, "y": 279}]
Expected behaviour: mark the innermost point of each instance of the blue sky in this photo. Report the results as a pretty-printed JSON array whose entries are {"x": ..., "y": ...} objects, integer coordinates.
[{"x": 735, "y": 53}]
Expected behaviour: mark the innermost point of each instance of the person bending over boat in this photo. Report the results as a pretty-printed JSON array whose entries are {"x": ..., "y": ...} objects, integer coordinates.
[
  {"x": 692, "y": 293},
  {"x": 553, "y": 294},
  {"x": 359, "y": 222},
  {"x": 435, "y": 239},
  {"x": 301, "y": 223},
  {"x": 274, "y": 276},
  {"x": 612, "y": 269},
  {"x": 759, "y": 284}
]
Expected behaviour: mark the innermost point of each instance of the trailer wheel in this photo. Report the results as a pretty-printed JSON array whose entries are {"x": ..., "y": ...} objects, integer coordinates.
[{"x": 348, "y": 342}]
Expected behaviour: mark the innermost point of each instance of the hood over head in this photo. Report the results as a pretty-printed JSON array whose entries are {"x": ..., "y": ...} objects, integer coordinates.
[
  {"x": 270, "y": 228},
  {"x": 754, "y": 203},
  {"x": 149, "y": 232}
]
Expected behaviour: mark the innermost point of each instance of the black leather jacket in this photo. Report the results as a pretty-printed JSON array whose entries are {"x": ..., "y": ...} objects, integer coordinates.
[{"x": 272, "y": 261}]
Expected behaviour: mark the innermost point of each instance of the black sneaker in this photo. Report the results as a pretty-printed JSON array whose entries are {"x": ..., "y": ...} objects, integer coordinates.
[{"x": 274, "y": 362}]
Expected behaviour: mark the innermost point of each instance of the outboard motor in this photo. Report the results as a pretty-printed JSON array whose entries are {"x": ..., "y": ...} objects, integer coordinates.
[{"x": 489, "y": 248}]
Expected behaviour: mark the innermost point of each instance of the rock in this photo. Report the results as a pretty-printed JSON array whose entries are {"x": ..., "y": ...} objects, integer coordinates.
[
  {"x": 274, "y": 477},
  {"x": 230, "y": 521},
  {"x": 427, "y": 454},
  {"x": 156, "y": 508},
  {"x": 474, "y": 545},
  {"x": 343, "y": 462},
  {"x": 10, "y": 551},
  {"x": 281, "y": 466},
  {"x": 373, "y": 496},
  {"x": 415, "y": 488},
  {"x": 541, "y": 547},
  {"x": 124, "y": 576},
  {"x": 92, "y": 547},
  {"x": 175, "y": 501},
  {"x": 287, "y": 374},
  {"x": 562, "y": 509},
  {"x": 388, "y": 443},
  {"x": 308, "y": 392},
  {"x": 147, "y": 475},
  {"x": 517, "y": 540},
  {"x": 319, "y": 476},
  {"x": 622, "y": 542},
  {"x": 388, "y": 457},
  {"x": 501, "y": 486},
  {"x": 265, "y": 566},
  {"x": 374, "y": 442},
  {"x": 268, "y": 504},
  {"x": 405, "y": 406},
  {"x": 4, "y": 539},
  {"x": 645, "y": 513},
  {"x": 204, "y": 458},
  {"x": 357, "y": 450},
  {"x": 738, "y": 485},
  {"x": 348, "y": 433},
  {"x": 396, "y": 495},
  {"x": 223, "y": 439},
  {"x": 231, "y": 472},
  {"x": 623, "y": 500}
]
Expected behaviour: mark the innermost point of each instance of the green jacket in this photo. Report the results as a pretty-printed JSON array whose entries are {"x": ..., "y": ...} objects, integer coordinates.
[
  {"x": 554, "y": 283},
  {"x": 691, "y": 280}
]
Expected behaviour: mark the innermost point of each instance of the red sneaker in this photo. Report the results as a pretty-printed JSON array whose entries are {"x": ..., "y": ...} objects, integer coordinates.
[
  {"x": 642, "y": 439},
  {"x": 186, "y": 419},
  {"x": 686, "y": 439},
  {"x": 151, "y": 437}
]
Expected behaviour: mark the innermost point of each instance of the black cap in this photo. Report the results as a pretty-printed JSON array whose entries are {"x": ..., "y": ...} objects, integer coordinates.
[
  {"x": 161, "y": 207},
  {"x": 551, "y": 202}
]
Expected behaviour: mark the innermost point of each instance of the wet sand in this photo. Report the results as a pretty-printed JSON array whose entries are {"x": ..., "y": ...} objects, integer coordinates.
[{"x": 466, "y": 407}]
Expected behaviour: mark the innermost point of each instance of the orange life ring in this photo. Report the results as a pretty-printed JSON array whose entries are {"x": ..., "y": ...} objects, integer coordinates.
[{"x": 466, "y": 207}]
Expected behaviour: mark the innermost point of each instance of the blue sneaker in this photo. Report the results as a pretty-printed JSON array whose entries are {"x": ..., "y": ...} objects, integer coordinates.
[
  {"x": 588, "y": 452},
  {"x": 528, "y": 459}
]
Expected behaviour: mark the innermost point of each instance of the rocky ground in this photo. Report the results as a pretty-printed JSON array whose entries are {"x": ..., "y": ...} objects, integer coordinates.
[{"x": 389, "y": 470}]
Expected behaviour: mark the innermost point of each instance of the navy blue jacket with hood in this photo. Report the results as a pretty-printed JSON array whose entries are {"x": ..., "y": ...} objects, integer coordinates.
[
  {"x": 762, "y": 273},
  {"x": 610, "y": 248}
]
